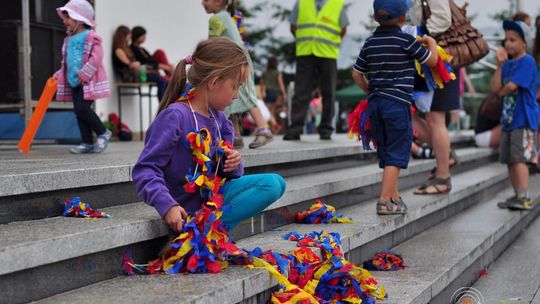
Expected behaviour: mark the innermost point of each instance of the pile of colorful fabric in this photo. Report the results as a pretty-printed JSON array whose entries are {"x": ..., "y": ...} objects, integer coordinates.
[
  {"x": 306, "y": 278},
  {"x": 321, "y": 213},
  {"x": 76, "y": 208},
  {"x": 385, "y": 261}
]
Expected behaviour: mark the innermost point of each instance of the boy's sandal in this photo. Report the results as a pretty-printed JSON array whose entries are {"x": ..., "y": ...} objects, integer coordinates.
[
  {"x": 437, "y": 184},
  {"x": 391, "y": 207}
]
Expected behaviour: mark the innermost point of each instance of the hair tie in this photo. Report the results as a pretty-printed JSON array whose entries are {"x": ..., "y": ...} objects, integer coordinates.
[{"x": 189, "y": 59}]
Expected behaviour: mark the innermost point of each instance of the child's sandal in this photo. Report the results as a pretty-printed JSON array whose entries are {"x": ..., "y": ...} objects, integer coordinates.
[
  {"x": 437, "y": 184},
  {"x": 391, "y": 207}
]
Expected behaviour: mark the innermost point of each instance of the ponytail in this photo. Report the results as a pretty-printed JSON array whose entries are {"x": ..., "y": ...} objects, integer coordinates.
[
  {"x": 231, "y": 8},
  {"x": 217, "y": 57},
  {"x": 176, "y": 87}
]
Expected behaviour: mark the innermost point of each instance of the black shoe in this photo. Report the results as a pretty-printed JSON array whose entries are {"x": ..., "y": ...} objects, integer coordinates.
[
  {"x": 325, "y": 137},
  {"x": 291, "y": 137}
]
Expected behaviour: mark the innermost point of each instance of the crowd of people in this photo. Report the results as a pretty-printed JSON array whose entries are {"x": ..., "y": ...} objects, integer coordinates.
[{"x": 205, "y": 94}]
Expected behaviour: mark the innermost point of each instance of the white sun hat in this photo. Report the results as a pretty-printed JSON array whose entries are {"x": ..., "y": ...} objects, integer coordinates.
[{"x": 79, "y": 10}]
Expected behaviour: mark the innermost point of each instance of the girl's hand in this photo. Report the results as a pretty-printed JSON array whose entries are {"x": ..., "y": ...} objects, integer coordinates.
[
  {"x": 81, "y": 81},
  {"x": 232, "y": 160},
  {"x": 175, "y": 218}
]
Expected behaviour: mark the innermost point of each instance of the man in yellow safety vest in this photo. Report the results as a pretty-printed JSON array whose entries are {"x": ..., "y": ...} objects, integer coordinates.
[{"x": 319, "y": 26}]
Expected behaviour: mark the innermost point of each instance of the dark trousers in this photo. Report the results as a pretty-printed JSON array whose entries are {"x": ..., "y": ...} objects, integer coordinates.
[
  {"x": 309, "y": 69},
  {"x": 161, "y": 84},
  {"x": 86, "y": 117}
]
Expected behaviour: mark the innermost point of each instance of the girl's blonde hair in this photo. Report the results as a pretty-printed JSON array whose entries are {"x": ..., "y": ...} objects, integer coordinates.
[{"x": 217, "y": 57}]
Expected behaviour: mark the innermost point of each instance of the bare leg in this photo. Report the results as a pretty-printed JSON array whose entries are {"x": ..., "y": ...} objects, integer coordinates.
[
  {"x": 440, "y": 141},
  {"x": 258, "y": 117},
  {"x": 519, "y": 175},
  {"x": 495, "y": 137},
  {"x": 389, "y": 186}
]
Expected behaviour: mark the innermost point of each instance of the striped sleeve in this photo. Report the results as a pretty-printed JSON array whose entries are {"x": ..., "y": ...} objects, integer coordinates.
[
  {"x": 416, "y": 50},
  {"x": 361, "y": 63}
]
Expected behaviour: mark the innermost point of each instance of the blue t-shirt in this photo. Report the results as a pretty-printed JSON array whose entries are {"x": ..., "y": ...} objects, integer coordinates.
[
  {"x": 520, "y": 110},
  {"x": 75, "y": 52},
  {"x": 387, "y": 60}
]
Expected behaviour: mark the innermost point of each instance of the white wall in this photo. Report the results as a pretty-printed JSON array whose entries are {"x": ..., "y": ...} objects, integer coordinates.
[{"x": 175, "y": 26}]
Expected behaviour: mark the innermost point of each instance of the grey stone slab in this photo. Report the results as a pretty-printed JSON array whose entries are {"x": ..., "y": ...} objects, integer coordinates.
[
  {"x": 415, "y": 285},
  {"x": 515, "y": 274},
  {"x": 48, "y": 168},
  {"x": 221, "y": 288},
  {"x": 440, "y": 254},
  {"x": 302, "y": 188},
  {"x": 63, "y": 238},
  {"x": 536, "y": 299}
]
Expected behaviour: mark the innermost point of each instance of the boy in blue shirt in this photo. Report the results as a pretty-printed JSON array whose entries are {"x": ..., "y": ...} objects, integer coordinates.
[
  {"x": 514, "y": 81},
  {"x": 385, "y": 70}
]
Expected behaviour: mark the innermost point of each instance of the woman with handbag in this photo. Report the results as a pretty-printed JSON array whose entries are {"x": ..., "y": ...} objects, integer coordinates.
[
  {"x": 447, "y": 23},
  {"x": 438, "y": 21}
]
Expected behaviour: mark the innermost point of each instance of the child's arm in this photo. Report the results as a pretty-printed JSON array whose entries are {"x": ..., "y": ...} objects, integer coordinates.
[
  {"x": 95, "y": 59},
  {"x": 148, "y": 173},
  {"x": 496, "y": 82},
  {"x": 432, "y": 47},
  {"x": 359, "y": 70},
  {"x": 360, "y": 80},
  {"x": 233, "y": 167}
]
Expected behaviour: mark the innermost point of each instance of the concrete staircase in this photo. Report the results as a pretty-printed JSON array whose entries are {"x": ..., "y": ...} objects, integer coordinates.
[{"x": 445, "y": 239}]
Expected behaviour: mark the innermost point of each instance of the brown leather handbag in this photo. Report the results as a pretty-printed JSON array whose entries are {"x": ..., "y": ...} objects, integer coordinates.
[{"x": 464, "y": 42}]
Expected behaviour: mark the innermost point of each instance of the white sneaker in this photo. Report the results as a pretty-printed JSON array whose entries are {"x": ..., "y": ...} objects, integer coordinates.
[{"x": 102, "y": 142}]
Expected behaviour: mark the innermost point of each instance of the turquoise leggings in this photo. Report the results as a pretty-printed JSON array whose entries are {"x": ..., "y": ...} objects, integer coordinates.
[{"x": 248, "y": 195}]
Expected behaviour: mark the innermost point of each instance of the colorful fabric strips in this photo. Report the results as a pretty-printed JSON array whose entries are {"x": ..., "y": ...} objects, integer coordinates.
[
  {"x": 385, "y": 261},
  {"x": 77, "y": 208},
  {"x": 438, "y": 75},
  {"x": 360, "y": 126},
  {"x": 321, "y": 213}
]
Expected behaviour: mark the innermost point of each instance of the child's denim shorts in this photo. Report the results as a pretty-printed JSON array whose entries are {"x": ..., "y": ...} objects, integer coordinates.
[{"x": 392, "y": 128}]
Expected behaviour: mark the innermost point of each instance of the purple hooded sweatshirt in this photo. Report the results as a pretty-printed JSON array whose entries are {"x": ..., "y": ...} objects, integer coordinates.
[{"x": 159, "y": 175}]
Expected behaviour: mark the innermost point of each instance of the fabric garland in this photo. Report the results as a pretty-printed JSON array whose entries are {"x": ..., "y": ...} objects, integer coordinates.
[
  {"x": 321, "y": 213},
  {"x": 75, "y": 207}
]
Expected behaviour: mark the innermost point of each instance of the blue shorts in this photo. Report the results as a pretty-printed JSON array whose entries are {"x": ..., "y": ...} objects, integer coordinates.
[{"x": 392, "y": 128}]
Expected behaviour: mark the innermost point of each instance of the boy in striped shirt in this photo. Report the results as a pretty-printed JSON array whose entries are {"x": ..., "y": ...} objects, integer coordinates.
[{"x": 385, "y": 70}]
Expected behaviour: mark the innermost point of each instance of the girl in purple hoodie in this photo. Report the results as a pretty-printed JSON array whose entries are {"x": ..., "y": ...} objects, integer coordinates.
[{"x": 194, "y": 102}]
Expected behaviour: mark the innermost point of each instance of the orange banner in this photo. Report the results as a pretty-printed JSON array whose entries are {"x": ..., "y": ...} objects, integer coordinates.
[{"x": 37, "y": 116}]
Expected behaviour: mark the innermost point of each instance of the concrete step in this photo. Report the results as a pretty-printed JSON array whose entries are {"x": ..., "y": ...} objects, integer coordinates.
[
  {"x": 514, "y": 276},
  {"x": 451, "y": 255},
  {"x": 370, "y": 233},
  {"x": 35, "y": 186},
  {"x": 301, "y": 190}
]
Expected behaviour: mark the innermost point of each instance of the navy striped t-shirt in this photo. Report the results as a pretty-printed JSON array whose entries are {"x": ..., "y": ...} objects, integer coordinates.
[{"x": 387, "y": 61}]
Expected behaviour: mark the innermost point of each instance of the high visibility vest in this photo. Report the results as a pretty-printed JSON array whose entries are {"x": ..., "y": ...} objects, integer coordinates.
[{"x": 319, "y": 34}]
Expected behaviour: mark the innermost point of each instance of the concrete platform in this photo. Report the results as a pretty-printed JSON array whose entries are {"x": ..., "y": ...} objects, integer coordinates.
[
  {"x": 138, "y": 222},
  {"x": 515, "y": 275},
  {"x": 450, "y": 255},
  {"x": 48, "y": 168},
  {"x": 249, "y": 283}
]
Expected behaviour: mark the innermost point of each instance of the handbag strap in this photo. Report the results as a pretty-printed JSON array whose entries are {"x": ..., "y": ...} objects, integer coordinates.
[{"x": 426, "y": 12}]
